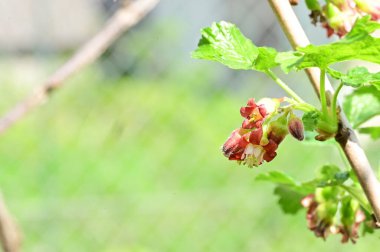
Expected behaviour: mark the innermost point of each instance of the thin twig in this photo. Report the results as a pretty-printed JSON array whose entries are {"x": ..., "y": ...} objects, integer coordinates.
[
  {"x": 123, "y": 19},
  {"x": 346, "y": 135},
  {"x": 9, "y": 233}
]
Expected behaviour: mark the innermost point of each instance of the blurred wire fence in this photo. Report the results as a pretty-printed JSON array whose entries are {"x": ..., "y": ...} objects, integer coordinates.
[{"x": 126, "y": 156}]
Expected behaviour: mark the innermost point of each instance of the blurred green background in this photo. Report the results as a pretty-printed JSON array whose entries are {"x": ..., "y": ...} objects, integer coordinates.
[{"x": 126, "y": 156}]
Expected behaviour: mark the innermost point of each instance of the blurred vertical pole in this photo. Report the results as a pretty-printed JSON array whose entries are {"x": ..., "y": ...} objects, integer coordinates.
[
  {"x": 9, "y": 233},
  {"x": 346, "y": 136}
]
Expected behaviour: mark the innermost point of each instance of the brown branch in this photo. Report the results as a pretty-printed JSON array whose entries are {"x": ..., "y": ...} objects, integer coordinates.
[
  {"x": 123, "y": 19},
  {"x": 9, "y": 233},
  {"x": 346, "y": 136}
]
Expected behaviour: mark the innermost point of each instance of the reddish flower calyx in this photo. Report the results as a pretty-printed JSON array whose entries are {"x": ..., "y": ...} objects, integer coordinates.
[
  {"x": 321, "y": 227},
  {"x": 252, "y": 143},
  {"x": 245, "y": 147}
]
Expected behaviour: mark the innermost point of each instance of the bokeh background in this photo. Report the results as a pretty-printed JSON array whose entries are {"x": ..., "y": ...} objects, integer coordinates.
[{"x": 126, "y": 156}]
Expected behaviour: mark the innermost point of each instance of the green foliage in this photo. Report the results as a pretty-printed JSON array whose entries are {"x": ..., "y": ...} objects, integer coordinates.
[
  {"x": 357, "y": 44},
  {"x": 331, "y": 175},
  {"x": 290, "y": 192},
  {"x": 328, "y": 183},
  {"x": 289, "y": 200},
  {"x": 266, "y": 59},
  {"x": 277, "y": 177},
  {"x": 310, "y": 120},
  {"x": 374, "y": 132},
  {"x": 357, "y": 77},
  {"x": 348, "y": 210},
  {"x": 289, "y": 60},
  {"x": 223, "y": 42},
  {"x": 361, "y": 105},
  {"x": 328, "y": 202},
  {"x": 356, "y": 192}
]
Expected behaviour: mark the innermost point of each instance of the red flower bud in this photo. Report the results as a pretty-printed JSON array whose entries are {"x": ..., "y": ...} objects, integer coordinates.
[{"x": 295, "y": 127}]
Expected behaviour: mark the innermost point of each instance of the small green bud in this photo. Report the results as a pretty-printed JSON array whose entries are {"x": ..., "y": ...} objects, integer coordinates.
[{"x": 313, "y": 5}]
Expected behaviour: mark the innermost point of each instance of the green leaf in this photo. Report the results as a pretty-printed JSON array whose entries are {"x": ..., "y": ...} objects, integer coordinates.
[
  {"x": 310, "y": 120},
  {"x": 334, "y": 73},
  {"x": 348, "y": 209},
  {"x": 328, "y": 171},
  {"x": 330, "y": 175},
  {"x": 277, "y": 177},
  {"x": 358, "y": 194},
  {"x": 289, "y": 60},
  {"x": 362, "y": 28},
  {"x": 361, "y": 105},
  {"x": 357, "y": 77},
  {"x": 282, "y": 179},
  {"x": 223, "y": 42},
  {"x": 266, "y": 59},
  {"x": 327, "y": 194},
  {"x": 374, "y": 132},
  {"x": 358, "y": 44},
  {"x": 289, "y": 200}
]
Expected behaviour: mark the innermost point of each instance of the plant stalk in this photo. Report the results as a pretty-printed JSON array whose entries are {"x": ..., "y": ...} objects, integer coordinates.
[
  {"x": 334, "y": 103},
  {"x": 322, "y": 92},
  {"x": 285, "y": 87}
]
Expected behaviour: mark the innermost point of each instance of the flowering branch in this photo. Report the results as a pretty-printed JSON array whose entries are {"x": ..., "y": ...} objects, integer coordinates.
[
  {"x": 346, "y": 137},
  {"x": 122, "y": 20}
]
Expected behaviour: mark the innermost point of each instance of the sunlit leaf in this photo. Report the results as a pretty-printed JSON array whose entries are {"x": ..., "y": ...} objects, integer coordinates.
[
  {"x": 358, "y": 44},
  {"x": 357, "y": 77},
  {"x": 289, "y": 60},
  {"x": 223, "y": 42}
]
